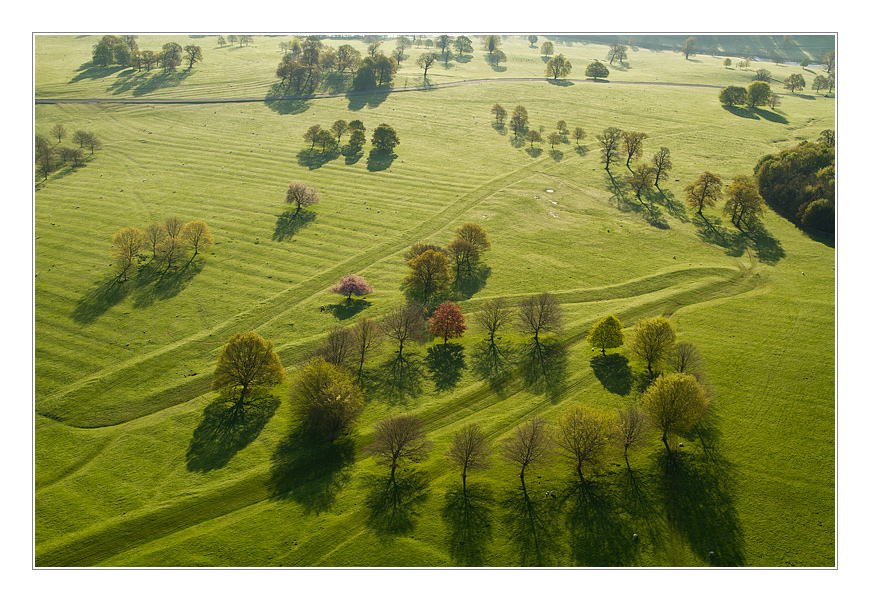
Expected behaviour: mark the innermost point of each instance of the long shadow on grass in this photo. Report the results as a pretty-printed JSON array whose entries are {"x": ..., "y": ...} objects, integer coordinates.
[
  {"x": 398, "y": 379},
  {"x": 392, "y": 502},
  {"x": 613, "y": 372},
  {"x": 624, "y": 202},
  {"x": 289, "y": 223},
  {"x": 101, "y": 299},
  {"x": 531, "y": 522},
  {"x": 314, "y": 158},
  {"x": 494, "y": 362},
  {"x": 310, "y": 470},
  {"x": 735, "y": 242},
  {"x": 276, "y": 101},
  {"x": 348, "y": 308},
  {"x": 468, "y": 516},
  {"x": 156, "y": 282},
  {"x": 445, "y": 364},
  {"x": 379, "y": 161},
  {"x": 544, "y": 365},
  {"x": 467, "y": 285},
  {"x": 225, "y": 430}
]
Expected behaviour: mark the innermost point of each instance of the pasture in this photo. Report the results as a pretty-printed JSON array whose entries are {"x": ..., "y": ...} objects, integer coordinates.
[{"x": 134, "y": 466}]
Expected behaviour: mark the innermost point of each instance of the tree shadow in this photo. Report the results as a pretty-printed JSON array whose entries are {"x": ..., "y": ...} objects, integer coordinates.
[
  {"x": 95, "y": 303},
  {"x": 289, "y": 223},
  {"x": 91, "y": 71},
  {"x": 535, "y": 151},
  {"x": 445, "y": 364},
  {"x": 493, "y": 65},
  {"x": 348, "y": 308},
  {"x": 468, "y": 516},
  {"x": 741, "y": 112},
  {"x": 544, "y": 365},
  {"x": 392, "y": 502},
  {"x": 360, "y": 99},
  {"x": 499, "y": 127},
  {"x": 711, "y": 231},
  {"x": 311, "y": 471},
  {"x": 531, "y": 526},
  {"x": 155, "y": 282},
  {"x": 556, "y": 154},
  {"x": 671, "y": 204},
  {"x": 351, "y": 155},
  {"x": 581, "y": 150},
  {"x": 494, "y": 363},
  {"x": 399, "y": 378},
  {"x": 379, "y": 161},
  {"x": 313, "y": 158},
  {"x": 700, "y": 506},
  {"x": 767, "y": 248},
  {"x": 625, "y": 203},
  {"x": 227, "y": 429},
  {"x": 466, "y": 286},
  {"x": 613, "y": 372},
  {"x": 771, "y": 116},
  {"x": 285, "y": 104},
  {"x": 562, "y": 83},
  {"x": 635, "y": 493},
  {"x": 599, "y": 534}
]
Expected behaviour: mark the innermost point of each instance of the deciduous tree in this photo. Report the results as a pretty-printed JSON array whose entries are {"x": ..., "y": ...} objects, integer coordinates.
[
  {"x": 494, "y": 315},
  {"x": 685, "y": 357},
  {"x": 429, "y": 274},
  {"x": 469, "y": 450},
  {"x": 732, "y": 95},
  {"x": 58, "y": 131},
  {"x": 676, "y": 403},
  {"x": 794, "y": 82},
  {"x": 426, "y": 60},
  {"x": 447, "y": 322},
  {"x": 540, "y": 313},
  {"x": 126, "y": 244},
  {"x": 367, "y": 337},
  {"x": 384, "y": 138},
  {"x": 642, "y": 179},
  {"x": 192, "y": 54},
  {"x": 399, "y": 439},
  {"x": 558, "y": 67},
  {"x": 328, "y": 399},
  {"x": 530, "y": 444},
  {"x": 597, "y": 70},
  {"x": 632, "y": 144},
  {"x": 631, "y": 428},
  {"x": 704, "y": 192},
  {"x": 404, "y": 324},
  {"x": 652, "y": 340},
  {"x": 554, "y": 138},
  {"x": 491, "y": 43},
  {"x": 757, "y": 94},
  {"x": 547, "y": 48},
  {"x": 247, "y": 362},
  {"x": 579, "y": 134},
  {"x": 339, "y": 127},
  {"x": 337, "y": 346},
  {"x": 617, "y": 52},
  {"x": 662, "y": 164},
  {"x": 690, "y": 46},
  {"x": 170, "y": 56},
  {"x": 583, "y": 435},
  {"x": 197, "y": 236},
  {"x": 475, "y": 235},
  {"x": 463, "y": 256},
  {"x": 533, "y": 136},
  {"x": 743, "y": 203},
  {"x": 610, "y": 140},
  {"x": 463, "y": 45},
  {"x": 300, "y": 194},
  {"x": 351, "y": 285},
  {"x": 606, "y": 334},
  {"x": 499, "y": 113}
]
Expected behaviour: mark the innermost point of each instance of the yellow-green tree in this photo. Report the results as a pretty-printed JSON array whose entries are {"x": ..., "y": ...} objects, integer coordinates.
[
  {"x": 676, "y": 403},
  {"x": 327, "y": 398},
  {"x": 583, "y": 435},
  {"x": 652, "y": 340},
  {"x": 429, "y": 274},
  {"x": 704, "y": 192},
  {"x": 606, "y": 334},
  {"x": 247, "y": 362},
  {"x": 743, "y": 202},
  {"x": 126, "y": 244},
  {"x": 197, "y": 236}
]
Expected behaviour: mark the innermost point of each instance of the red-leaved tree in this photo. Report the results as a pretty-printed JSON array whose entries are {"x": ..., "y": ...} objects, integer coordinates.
[
  {"x": 351, "y": 285},
  {"x": 447, "y": 321}
]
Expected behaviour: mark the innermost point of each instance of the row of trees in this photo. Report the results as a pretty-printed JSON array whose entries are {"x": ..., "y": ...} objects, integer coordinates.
[
  {"x": 519, "y": 124},
  {"x": 49, "y": 156},
  {"x": 384, "y": 137},
  {"x": 167, "y": 242},
  {"x": 124, "y": 51}
]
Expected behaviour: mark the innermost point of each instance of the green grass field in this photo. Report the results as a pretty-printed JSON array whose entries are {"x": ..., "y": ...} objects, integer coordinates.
[{"x": 134, "y": 467}]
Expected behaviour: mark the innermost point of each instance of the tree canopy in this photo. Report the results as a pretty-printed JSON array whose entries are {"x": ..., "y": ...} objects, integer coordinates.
[
  {"x": 606, "y": 334},
  {"x": 351, "y": 285},
  {"x": 246, "y": 362},
  {"x": 558, "y": 67},
  {"x": 447, "y": 321},
  {"x": 704, "y": 192},
  {"x": 651, "y": 341},
  {"x": 597, "y": 70},
  {"x": 384, "y": 138},
  {"x": 327, "y": 398},
  {"x": 676, "y": 403}
]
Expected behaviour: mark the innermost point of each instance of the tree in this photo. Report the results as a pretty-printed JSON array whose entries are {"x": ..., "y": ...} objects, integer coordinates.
[
  {"x": 301, "y": 195},
  {"x": 732, "y": 95},
  {"x": 530, "y": 444},
  {"x": 632, "y": 144},
  {"x": 447, "y": 322},
  {"x": 533, "y": 136},
  {"x": 192, "y": 54},
  {"x": 356, "y": 142},
  {"x": 93, "y": 142},
  {"x": 562, "y": 127},
  {"x": 404, "y": 324},
  {"x": 126, "y": 244},
  {"x": 351, "y": 285},
  {"x": 154, "y": 235},
  {"x": 58, "y": 131},
  {"x": 469, "y": 450},
  {"x": 554, "y": 138},
  {"x": 662, "y": 164},
  {"x": 223, "y": 42},
  {"x": 684, "y": 357},
  {"x": 519, "y": 119},
  {"x": 475, "y": 235},
  {"x": 558, "y": 67},
  {"x": 336, "y": 347},
  {"x": 597, "y": 70},
  {"x": 498, "y": 57},
  {"x": 172, "y": 248},
  {"x": 149, "y": 58},
  {"x": 642, "y": 179},
  {"x": 727, "y": 62},
  {"x": 793, "y": 82},
  {"x": 245, "y": 40},
  {"x": 385, "y": 68},
  {"x": 325, "y": 139},
  {"x": 171, "y": 56},
  {"x": 418, "y": 248},
  {"x": 606, "y": 334},
  {"x": 81, "y": 137},
  {"x": 820, "y": 82},
  {"x": 652, "y": 340},
  {"x": 579, "y": 134},
  {"x": 233, "y": 38},
  {"x": 45, "y": 163},
  {"x": 532, "y": 40},
  {"x": 426, "y": 60},
  {"x": 610, "y": 139},
  {"x": 762, "y": 75},
  {"x": 327, "y": 398},
  {"x": 310, "y": 134},
  {"x": 676, "y": 403},
  {"x": 494, "y": 315},
  {"x": 339, "y": 127},
  {"x": 173, "y": 226},
  {"x": 827, "y": 137},
  {"x": 429, "y": 274},
  {"x": 366, "y": 337},
  {"x": 384, "y": 138},
  {"x": 690, "y": 47},
  {"x": 347, "y": 58},
  {"x": 76, "y": 155},
  {"x": 399, "y": 439},
  {"x": 757, "y": 94},
  {"x": 462, "y": 44},
  {"x": 464, "y": 256},
  {"x": 704, "y": 192},
  {"x": 743, "y": 203},
  {"x": 617, "y": 52},
  {"x": 197, "y": 236},
  {"x": 247, "y": 362},
  {"x": 499, "y": 113},
  {"x": 491, "y": 43},
  {"x": 547, "y": 48},
  {"x": 583, "y": 434},
  {"x": 631, "y": 428},
  {"x": 540, "y": 313},
  {"x": 829, "y": 61}
]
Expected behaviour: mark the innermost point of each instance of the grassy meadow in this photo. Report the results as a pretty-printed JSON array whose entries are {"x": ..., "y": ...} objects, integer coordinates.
[{"x": 134, "y": 466}]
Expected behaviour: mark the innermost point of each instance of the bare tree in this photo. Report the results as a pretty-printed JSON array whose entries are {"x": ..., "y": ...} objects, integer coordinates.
[
  {"x": 404, "y": 324},
  {"x": 366, "y": 338},
  {"x": 173, "y": 226},
  {"x": 493, "y": 315},
  {"x": 631, "y": 427},
  {"x": 530, "y": 444},
  {"x": 540, "y": 313},
  {"x": 469, "y": 450},
  {"x": 58, "y": 131},
  {"x": 301, "y": 195},
  {"x": 398, "y": 439},
  {"x": 686, "y": 358},
  {"x": 337, "y": 346},
  {"x": 583, "y": 435}
]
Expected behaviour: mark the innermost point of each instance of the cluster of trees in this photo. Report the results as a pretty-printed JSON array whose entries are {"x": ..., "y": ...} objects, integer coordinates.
[
  {"x": 432, "y": 268},
  {"x": 48, "y": 156},
  {"x": 231, "y": 39},
  {"x": 166, "y": 242},
  {"x": 756, "y": 94},
  {"x": 616, "y": 143},
  {"x": 800, "y": 183},
  {"x": 519, "y": 124},
  {"x": 124, "y": 51},
  {"x": 384, "y": 137}
]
